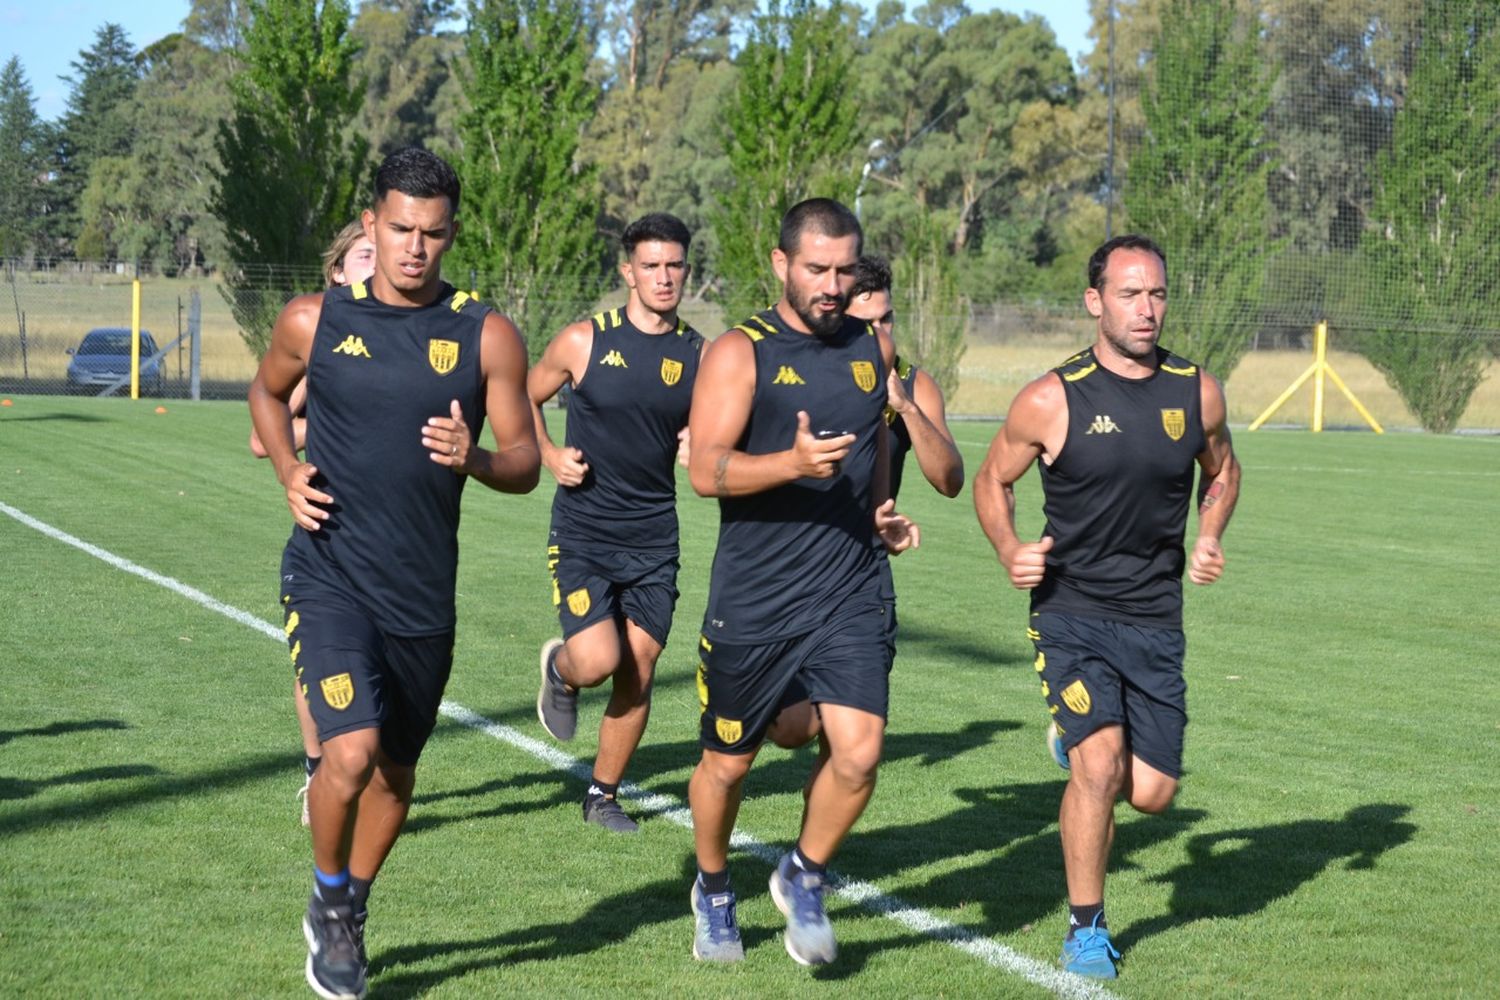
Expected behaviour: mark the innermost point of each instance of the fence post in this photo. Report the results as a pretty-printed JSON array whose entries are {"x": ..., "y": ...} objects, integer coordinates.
[
  {"x": 195, "y": 333},
  {"x": 135, "y": 337}
]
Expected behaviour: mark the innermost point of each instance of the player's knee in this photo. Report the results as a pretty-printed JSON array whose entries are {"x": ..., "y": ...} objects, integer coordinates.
[
  {"x": 1152, "y": 797},
  {"x": 855, "y": 766},
  {"x": 725, "y": 769},
  {"x": 349, "y": 760},
  {"x": 1098, "y": 775},
  {"x": 796, "y": 726}
]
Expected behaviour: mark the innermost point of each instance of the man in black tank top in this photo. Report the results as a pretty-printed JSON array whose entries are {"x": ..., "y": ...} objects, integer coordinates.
[
  {"x": 1120, "y": 430},
  {"x": 612, "y": 548},
  {"x": 404, "y": 371},
  {"x": 787, "y": 432}
]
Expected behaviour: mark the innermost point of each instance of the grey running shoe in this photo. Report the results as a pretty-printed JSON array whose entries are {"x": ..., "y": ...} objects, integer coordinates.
[
  {"x": 716, "y": 933},
  {"x": 602, "y": 810},
  {"x": 1055, "y": 747},
  {"x": 556, "y": 706},
  {"x": 799, "y": 897},
  {"x": 335, "y": 960}
]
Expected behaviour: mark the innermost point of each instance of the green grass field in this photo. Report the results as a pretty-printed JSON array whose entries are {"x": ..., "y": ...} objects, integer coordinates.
[{"x": 1336, "y": 834}]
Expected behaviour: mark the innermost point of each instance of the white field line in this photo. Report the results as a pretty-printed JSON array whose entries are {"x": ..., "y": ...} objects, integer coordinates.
[{"x": 865, "y": 894}]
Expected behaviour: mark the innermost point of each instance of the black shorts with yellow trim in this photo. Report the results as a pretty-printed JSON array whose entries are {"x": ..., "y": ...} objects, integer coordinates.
[
  {"x": 1097, "y": 673},
  {"x": 355, "y": 676},
  {"x": 591, "y": 584},
  {"x": 741, "y": 688}
]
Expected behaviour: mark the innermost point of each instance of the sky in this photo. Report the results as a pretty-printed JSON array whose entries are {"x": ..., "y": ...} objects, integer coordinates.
[{"x": 49, "y": 36}]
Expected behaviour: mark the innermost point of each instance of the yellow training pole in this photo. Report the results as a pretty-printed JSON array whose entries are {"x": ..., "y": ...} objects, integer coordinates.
[
  {"x": 135, "y": 339},
  {"x": 1320, "y": 363},
  {"x": 1283, "y": 397},
  {"x": 1319, "y": 368},
  {"x": 1374, "y": 424}
]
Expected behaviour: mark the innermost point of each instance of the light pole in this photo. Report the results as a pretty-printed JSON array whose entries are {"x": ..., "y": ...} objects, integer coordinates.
[{"x": 874, "y": 154}]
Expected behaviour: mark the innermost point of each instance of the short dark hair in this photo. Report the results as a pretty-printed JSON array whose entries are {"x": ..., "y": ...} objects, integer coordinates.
[
  {"x": 417, "y": 173},
  {"x": 657, "y": 227},
  {"x": 871, "y": 274},
  {"x": 823, "y": 216},
  {"x": 1130, "y": 241}
]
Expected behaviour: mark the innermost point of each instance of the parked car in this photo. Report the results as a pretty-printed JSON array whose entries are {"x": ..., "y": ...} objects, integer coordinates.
[{"x": 104, "y": 358}]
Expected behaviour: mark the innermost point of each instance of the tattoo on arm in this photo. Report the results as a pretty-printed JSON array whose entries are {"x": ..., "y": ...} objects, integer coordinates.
[
  {"x": 721, "y": 475},
  {"x": 1210, "y": 496}
]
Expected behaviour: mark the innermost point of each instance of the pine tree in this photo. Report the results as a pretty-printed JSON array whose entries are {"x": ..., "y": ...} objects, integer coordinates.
[{"x": 23, "y": 162}]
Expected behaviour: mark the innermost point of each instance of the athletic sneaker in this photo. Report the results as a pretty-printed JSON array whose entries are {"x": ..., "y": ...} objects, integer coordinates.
[
  {"x": 556, "y": 706},
  {"x": 306, "y": 819},
  {"x": 603, "y": 810},
  {"x": 359, "y": 935},
  {"x": 799, "y": 896},
  {"x": 716, "y": 934},
  {"x": 335, "y": 958},
  {"x": 1089, "y": 952},
  {"x": 1055, "y": 747}
]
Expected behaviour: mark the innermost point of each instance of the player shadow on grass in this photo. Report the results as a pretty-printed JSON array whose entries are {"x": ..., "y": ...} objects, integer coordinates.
[
  {"x": 497, "y": 797},
  {"x": 62, "y": 728},
  {"x": 22, "y": 788},
  {"x": 1236, "y": 873},
  {"x": 952, "y": 645},
  {"x": 1018, "y": 877},
  {"x": 414, "y": 969}
]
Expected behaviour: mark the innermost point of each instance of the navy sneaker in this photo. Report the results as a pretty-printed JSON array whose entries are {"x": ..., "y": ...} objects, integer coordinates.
[
  {"x": 1055, "y": 747},
  {"x": 716, "y": 933},
  {"x": 799, "y": 897},
  {"x": 1089, "y": 952},
  {"x": 556, "y": 705},
  {"x": 335, "y": 958},
  {"x": 603, "y": 810}
]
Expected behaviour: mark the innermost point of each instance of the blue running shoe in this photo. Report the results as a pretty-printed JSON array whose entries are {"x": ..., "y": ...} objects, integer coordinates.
[
  {"x": 1089, "y": 953},
  {"x": 716, "y": 934},
  {"x": 799, "y": 897},
  {"x": 1055, "y": 747}
]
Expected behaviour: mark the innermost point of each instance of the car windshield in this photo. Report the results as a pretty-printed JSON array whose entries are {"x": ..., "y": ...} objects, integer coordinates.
[{"x": 113, "y": 342}]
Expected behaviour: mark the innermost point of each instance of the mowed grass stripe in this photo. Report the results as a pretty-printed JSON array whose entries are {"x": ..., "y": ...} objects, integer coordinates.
[{"x": 864, "y": 894}]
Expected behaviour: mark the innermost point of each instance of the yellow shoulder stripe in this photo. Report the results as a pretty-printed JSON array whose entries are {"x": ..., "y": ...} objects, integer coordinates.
[
  {"x": 359, "y": 290},
  {"x": 762, "y": 324},
  {"x": 1081, "y": 373},
  {"x": 1189, "y": 370},
  {"x": 459, "y": 298},
  {"x": 754, "y": 335}
]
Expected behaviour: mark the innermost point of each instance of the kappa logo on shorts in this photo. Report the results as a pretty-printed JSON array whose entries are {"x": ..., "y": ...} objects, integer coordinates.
[
  {"x": 579, "y": 603},
  {"x": 442, "y": 355},
  {"x": 671, "y": 371},
  {"x": 864, "y": 375},
  {"x": 1076, "y": 697},
  {"x": 1174, "y": 422},
  {"x": 338, "y": 691},
  {"x": 729, "y": 730}
]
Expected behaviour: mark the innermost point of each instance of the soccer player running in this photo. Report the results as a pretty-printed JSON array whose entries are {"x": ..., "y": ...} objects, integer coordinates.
[
  {"x": 1119, "y": 429},
  {"x": 407, "y": 370},
  {"x": 787, "y": 431},
  {"x": 612, "y": 548},
  {"x": 349, "y": 260}
]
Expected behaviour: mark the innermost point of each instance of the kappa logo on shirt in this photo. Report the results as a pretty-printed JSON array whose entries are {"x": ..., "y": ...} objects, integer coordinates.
[
  {"x": 1103, "y": 425},
  {"x": 353, "y": 345},
  {"x": 787, "y": 375},
  {"x": 614, "y": 359}
]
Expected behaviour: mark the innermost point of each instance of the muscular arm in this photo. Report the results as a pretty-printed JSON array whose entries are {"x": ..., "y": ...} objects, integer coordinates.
[
  {"x": 931, "y": 441},
  {"x": 564, "y": 360},
  {"x": 513, "y": 466},
  {"x": 1218, "y": 485},
  {"x": 284, "y": 365},
  {"x": 1035, "y": 426},
  {"x": 722, "y": 397},
  {"x": 299, "y": 424}
]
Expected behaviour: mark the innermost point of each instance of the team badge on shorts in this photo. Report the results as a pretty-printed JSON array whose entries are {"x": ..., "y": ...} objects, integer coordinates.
[
  {"x": 729, "y": 730},
  {"x": 579, "y": 603},
  {"x": 1174, "y": 422},
  {"x": 864, "y": 375},
  {"x": 1076, "y": 697},
  {"x": 442, "y": 355},
  {"x": 671, "y": 371},
  {"x": 338, "y": 691}
]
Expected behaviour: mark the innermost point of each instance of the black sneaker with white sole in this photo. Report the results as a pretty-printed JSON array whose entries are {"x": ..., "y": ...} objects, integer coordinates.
[
  {"x": 603, "y": 810},
  {"x": 335, "y": 956}
]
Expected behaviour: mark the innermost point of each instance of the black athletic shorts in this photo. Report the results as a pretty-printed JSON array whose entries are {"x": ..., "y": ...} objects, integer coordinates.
[
  {"x": 590, "y": 585},
  {"x": 1098, "y": 673},
  {"x": 741, "y": 688},
  {"x": 355, "y": 676}
]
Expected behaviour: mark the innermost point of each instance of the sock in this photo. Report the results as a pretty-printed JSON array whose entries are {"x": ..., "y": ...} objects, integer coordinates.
[
  {"x": 713, "y": 882},
  {"x": 332, "y": 889},
  {"x": 554, "y": 675},
  {"x": 311, "y": 764},
  {"x": 1083, "y": 916},
  {"x": 359, "y": 893},
  {"x": 803, "y": 862},
  {"x": 600, "y": 789}
]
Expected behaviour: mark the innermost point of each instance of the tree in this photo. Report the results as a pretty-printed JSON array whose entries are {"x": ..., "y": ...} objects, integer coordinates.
[
  {"x": 289, "y": 178},
  {"x": 23, "y": 163},
  {"x": 407, "y": 64},
  {"x": 789, "y": 130},
  {"x": 1435, "y": 248},
  {"x": 93, "y": 127},
  {"x": 934, "y": 316},
  {"x": 531, "y": 205},
  {"x": 1198, "y": 182}
]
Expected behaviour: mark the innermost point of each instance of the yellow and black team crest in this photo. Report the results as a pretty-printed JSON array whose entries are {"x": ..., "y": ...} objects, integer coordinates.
[
  {"x": 338, "y": 691},
  {"x": 671, "y": 371},
  {"x": 578, "y": 602},
  {"x": 1174, "y": 422},
  {"x": 864, "y": 375},
  {"x": 1076, "y": 697},
  {"x": 729, "y": 730},
  {"x": 442, "y": 355}
]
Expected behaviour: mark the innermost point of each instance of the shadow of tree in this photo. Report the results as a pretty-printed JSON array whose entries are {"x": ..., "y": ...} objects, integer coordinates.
[
  {"x": 1234, "y": 873},
  {"x": 62, "y": 728},
  {"x": 18, "y": 788},
  {"x": 493, "y": 798}
]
